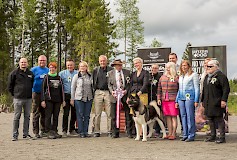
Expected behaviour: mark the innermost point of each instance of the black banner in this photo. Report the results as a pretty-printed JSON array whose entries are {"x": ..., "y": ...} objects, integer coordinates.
[
  {"x": 197, "y": 56},
  {"x": 150, "y": 56}
]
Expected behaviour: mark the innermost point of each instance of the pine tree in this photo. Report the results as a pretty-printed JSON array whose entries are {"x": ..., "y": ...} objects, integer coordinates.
[
  {"x": 186, "y": 52},
  {"x": 91, "y": 27},
  {"x": 129, "y": 27},
  {"x": 156, "y": 43}
]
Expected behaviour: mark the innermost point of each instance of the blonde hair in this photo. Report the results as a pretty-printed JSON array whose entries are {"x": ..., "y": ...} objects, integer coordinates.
[
  {"x": 138, "y": 59},
  {"x": 173, "y": 71},
  {"x": 190, "y": 71},
  {"x": 83, "y": 63}
]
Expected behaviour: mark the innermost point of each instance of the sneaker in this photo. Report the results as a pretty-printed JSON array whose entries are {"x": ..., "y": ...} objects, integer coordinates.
[
  {"x": 43, "y": 134},
  {"x": 96, "y": 135},
  {"x": 51, "y": 135},
  {"x": 73, "y": 133},
  {"x": 57, "y": 135},
  {"x": 210, "y": 139},
  {"x": 27, "y": 137},
  {"x": 14, "y": 139},
  {"x": 64, "y": 134}
]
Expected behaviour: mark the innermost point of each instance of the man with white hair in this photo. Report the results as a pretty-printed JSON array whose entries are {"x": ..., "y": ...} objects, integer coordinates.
[{"x": 214, "y": 98}]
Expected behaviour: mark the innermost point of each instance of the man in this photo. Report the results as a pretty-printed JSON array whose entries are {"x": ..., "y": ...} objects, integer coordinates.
[
  {"x": 152, "y": 94},
  {"x": 20, "y": 85},
  {"x": 214, "y": 98},
  {"x": 173, "y": 58},
  {"x": 118, "y": 78},
  {"x": 38, "y": 111},
  {"x": 67, "y": 76},
  {"x": 101, "y": 95}
]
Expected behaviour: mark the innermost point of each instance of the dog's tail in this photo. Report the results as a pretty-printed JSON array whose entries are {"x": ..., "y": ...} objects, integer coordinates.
[{"x": 154, "y": 104}]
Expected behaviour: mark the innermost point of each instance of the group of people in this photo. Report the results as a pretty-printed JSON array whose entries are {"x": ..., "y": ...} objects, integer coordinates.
[{"x": 178, "y": 91}]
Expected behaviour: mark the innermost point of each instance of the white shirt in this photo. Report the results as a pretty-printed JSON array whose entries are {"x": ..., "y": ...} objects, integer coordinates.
[{"x": 117, "y": 78}]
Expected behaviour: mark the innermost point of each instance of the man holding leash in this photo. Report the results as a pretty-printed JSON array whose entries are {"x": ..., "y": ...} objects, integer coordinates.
[{"x": 118, "y": 78}]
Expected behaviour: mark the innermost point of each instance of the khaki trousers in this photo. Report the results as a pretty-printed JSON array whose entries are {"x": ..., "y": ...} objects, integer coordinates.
[{"x": 102, "y": 99}]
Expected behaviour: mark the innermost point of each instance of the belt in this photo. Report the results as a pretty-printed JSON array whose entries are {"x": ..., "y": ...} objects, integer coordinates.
[{"x": 102, "y": 89}]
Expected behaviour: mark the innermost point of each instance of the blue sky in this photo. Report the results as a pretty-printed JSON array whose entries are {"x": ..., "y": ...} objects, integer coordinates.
[{"x": 201, "y": 22}]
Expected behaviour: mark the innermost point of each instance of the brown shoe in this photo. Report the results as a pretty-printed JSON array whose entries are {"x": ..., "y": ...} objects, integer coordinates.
[{"x": 172, "y": 138}]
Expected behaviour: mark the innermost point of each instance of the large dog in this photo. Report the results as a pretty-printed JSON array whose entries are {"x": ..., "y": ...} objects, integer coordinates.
[{"x": 145, "y": 115}]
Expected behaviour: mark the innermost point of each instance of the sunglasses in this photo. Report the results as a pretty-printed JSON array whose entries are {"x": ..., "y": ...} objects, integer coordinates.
[{"x": 210, "y": 66}]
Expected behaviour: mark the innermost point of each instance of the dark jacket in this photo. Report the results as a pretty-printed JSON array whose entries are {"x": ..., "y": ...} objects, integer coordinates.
[
  {"x": 215, "y": 91},
  {"x": 52, "y": 89},
  {"x": 112, "y": 85},
  {"x": 95, "y": 75},
  {"x": 153, "y": 85},
  {"x": 139, "y": 83},
  {"x": 20, "y": 83}
]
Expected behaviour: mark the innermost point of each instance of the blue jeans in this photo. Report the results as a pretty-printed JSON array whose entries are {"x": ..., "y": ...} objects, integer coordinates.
[
  {"x": 187, "y": 112},
  {"x": 83, "y": 110}
]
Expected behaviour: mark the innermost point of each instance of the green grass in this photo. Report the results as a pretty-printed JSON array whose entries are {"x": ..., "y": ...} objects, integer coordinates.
[{"x": 232, "y": 104}]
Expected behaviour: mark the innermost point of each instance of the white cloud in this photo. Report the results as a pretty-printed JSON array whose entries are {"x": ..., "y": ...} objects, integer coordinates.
[{"x": 201, "y": 22}]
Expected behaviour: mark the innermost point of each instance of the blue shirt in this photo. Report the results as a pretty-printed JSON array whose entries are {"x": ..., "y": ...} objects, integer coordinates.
[
  {"x": 39, "y": 74},
  {"x": 67, "y": 79}
]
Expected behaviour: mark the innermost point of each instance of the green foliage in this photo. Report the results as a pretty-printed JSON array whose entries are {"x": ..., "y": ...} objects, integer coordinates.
[
  {"x": 91, "y": 29},
  {"x": 186, "y": 52},
  {"x": 232, "y": 100},
  {"x": 129, "y": 27},
  {"x": 156, "y": 43}
]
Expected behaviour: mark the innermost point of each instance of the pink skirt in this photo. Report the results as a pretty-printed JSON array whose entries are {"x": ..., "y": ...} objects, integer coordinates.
[{"x": 169, "y": 108}]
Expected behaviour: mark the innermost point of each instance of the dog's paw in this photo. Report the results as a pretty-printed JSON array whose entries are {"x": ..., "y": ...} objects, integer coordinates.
[
  {"x": 137, "y": 138},
  {"x": 144, "y": 140}
]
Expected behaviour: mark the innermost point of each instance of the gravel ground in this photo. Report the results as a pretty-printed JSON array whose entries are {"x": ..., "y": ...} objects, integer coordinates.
[{"x": 108, "y": 148}]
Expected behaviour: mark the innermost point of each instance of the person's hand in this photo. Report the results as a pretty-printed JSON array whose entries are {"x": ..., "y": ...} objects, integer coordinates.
[
  {"x": 127, "y": 100},
  {"x": 43, "y": 104},
  {"x": 195, "y": 104},
  {"x": 139, "y": 93},
  {"x": 114, "y": 94},
  {"x": 159, "y": 102},
  {"x": 223, "y": 104},
  {"x": 176, "y": 105},
  {"x": 64, "y": 103},
  {"x": 72, "y": 102}
]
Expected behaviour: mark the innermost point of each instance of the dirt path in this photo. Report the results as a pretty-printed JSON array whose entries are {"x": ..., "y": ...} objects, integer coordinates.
[{"x": 108, "y": 148}]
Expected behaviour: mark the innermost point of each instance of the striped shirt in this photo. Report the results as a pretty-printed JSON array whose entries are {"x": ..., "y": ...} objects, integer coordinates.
[{"x": 167, "y": 86}]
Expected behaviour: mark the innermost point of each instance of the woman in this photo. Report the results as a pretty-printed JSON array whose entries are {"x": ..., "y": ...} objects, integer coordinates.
[
  {"x": 167, "y": 91},
  {"x": 139, "y": 81},
  {"x": 52, "y": 96},
  {"x": 187, "y": 99},
  {"x": 81, "y": 97}
]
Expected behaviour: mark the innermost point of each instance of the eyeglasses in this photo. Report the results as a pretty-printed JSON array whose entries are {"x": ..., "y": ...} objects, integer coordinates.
[{"x": 210, "y": 66}]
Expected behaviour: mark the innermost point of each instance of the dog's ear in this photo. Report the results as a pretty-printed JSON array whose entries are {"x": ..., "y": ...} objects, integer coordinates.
[{"x": 137, "y": 96}]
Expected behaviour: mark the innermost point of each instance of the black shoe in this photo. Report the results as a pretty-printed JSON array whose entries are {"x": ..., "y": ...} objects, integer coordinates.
[
  {"x": 28, "y": 136},
  {"x": 183, "y": 139},
  {"x": 220, "y": 140},
  {"x": 57, "y": 135},
  {"x": 130, "y": 136},
  {"x": 51, "y": 135},
  {"x": 210, "y": 139},
  {"x": 87, "y": 135},
  {"x": 109, "y": 135},
  {"x": 96, "y": 135},
  {"x": 82, "y": 136},
  {"x": 43, "y": 134},
  {"x": 189, "y": 140},
  {"x": 115, "y": 136},
  {"x": 14, "y": 139}
]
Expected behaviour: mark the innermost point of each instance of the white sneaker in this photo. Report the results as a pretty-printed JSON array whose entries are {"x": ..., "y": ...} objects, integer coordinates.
[
  {"x": 64, "y": 134},
  {"x": 73, "y": 133}
]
